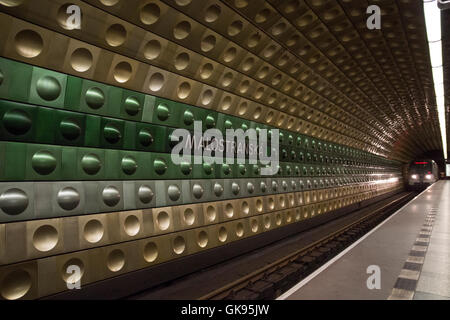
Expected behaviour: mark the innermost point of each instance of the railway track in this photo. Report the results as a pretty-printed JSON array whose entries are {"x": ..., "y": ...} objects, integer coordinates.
[{"x": 272, "y": 280}]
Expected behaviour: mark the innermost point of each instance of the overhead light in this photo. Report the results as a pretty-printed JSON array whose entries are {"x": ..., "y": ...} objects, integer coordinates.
[{"x": 434, "y": 33}]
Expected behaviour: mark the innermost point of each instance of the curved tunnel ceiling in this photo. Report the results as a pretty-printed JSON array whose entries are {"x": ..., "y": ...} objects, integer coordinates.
[
  {"x": 310, "y": 66},
  {"x": 378, "y": 82}
]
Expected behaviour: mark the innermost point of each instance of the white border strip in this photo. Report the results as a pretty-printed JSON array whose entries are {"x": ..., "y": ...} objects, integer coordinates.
[{"x": 305, "y": 281}]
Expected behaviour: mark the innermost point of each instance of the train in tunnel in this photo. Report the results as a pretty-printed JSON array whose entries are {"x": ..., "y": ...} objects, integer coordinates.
[{"x": 422, "y": 173}]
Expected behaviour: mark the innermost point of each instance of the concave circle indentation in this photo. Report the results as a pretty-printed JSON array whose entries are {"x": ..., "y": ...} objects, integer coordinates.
[
  {"x": 15, "y": 285},
  {"x": 13, "y": 201},
  {"x": 28, "y": 43},
  {"x": 45, "y": 238}
]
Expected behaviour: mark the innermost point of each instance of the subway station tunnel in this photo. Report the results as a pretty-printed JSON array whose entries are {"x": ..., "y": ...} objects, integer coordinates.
[{"x": 92, "y": 91}]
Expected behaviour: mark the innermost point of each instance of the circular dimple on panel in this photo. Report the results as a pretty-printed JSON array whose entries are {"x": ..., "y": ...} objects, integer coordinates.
[
  {"x": 230, "y": 54},
  {"x": 211, "y": 214},
  {"x": 250, "y": 187},
  {"x": 11, "y": 3},
  {"x": 248, "y": 64},
  {"x": 278, "y": 219},
  {"x": 267, "y": 222},
  {"x": 160, "y": 166},
  {"x": 91, "y": 164},
  {"x": 210, "y": 122},
  {"x": 243, "y": 107},
  {"x": 189, "y": 217},
  {"x": 244, "y": 86},
  {"x": 188, "y": 118},
  {"x": 202, "y": 239},
  {"x": 95, "y": 98},
  {"x": 229, "y": 210},
  {"x": 226, "y": 103},
  {"x": 282, "y": 201},
  {"x": 223, "y": 234},
  {"x": 182, "y": 61},
  {"x": 206, "y": 71},
  {"x": 150, "y": 13},
  {"x": 208, "y": 43},
  {"x": 288, "y": 217},
  {"x": 235, "y": 28},
  {"x": 259, "y": 205},
  {"x": 109, "y": 3},
  {"x": 43, "y": 162},
  {"x": 150, "y": 252},
  {"x": 184, "y": 90},
  {"x": 163, "y": 112},
  {"x": 271, "y": 203},
  {"x": 270, "y": 51},
  {"x": 111, "y": 196},
  {"x": 207, "y": 97},
  {"x": 279, "y": 29},
  {"x": 152, "y": 49},
  {"x": 212, "y": 13},
  {"x": 132, "y": 106},
  {"x": 174, "y": 193},
  {"x": 112, "y": 133},
  {"x": 132, "y": 225},
  {"x": 241, "y": 3},
  {"x": 227, "y": 79},
  {"x": 81, "y": 60},
  {"x": 122, "y": 72},
  {"x": 218, "y": 189},
  {"x": 183, "y": 3},
  {"x": 291, "y": 6},
  {"x": 116, "y": 260},
  {"x": 259, "y": 93},
  {"x": 182, "y": 30},
  {"x": 239, "y": 230},
  {"x": 262, "y": 15},
  {"x": 13, "y": 201},
  {"x": 197, "y": 191},
  {"x": 48, "y": 88},
  {"x": 70, "y": 129},
  {"x": 253, "y": 41},
  {"x": 145, "y": 137},
  {"x": 263, "y": 187},
  {"x": 163, "y": 220},
  {"x": 45, "y": 238},
  {"x": 156, "y": 82},
  {"x": 145, "y": 194},
  {"x": 263, "y": 72},
  {"x": 116, "y": 35},
  {"x": 254, "y": 225},
  {"x": 257, "y": 113},
  {"x": 72, "y": 278},
  {"x": 15, "y": 285},
  {"x": 68, "y": 198},
  {"x": 17, "y": 122},
  {"x": 245, "y": 208},
  {"x": 129, "y": 165},
  {"x": 179, "y": 245},
  {"x": 93, "y": 231},
  {"x": 28, "y": 43},
  {"x": 235, "y": 188}
]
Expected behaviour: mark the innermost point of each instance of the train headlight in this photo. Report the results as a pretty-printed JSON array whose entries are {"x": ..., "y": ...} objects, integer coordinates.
[
  {"x": 414, "y": 176},
  {"x": 428, "y": 177}
]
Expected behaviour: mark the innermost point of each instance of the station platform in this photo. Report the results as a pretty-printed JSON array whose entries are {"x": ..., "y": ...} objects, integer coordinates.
[{"x": 408, "y": 254}]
